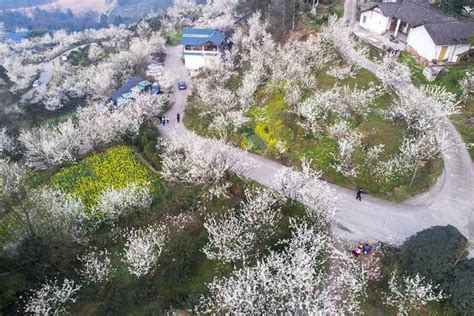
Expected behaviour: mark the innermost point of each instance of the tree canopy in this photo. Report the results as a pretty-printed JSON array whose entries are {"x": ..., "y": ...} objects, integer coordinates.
[{"x": 433, "y": 252}]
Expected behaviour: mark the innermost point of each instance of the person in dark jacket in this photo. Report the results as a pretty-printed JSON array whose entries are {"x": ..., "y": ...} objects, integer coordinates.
[{"x": 359, "y": 195}]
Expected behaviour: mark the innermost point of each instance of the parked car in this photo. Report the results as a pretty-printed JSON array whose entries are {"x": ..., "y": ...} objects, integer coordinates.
[
  {"x": 182, "y": 85},
  {"x": 36, "y": 83}
]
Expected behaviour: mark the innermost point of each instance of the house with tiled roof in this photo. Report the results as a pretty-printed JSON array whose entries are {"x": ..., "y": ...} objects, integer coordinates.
[
  {"x": 202, "y": 47},
  {"x": 430, "y": 33}
]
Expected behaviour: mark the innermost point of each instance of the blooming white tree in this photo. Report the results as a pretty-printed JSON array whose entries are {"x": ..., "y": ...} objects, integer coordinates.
[
  {"x": 13, "y": 176},
  {"x": 218, "y": 14},
  {"x": 7, "y": 142},
  {"x": 391, "y": 72},
  {"x": 50, "y": 145},
  {"x": 348, "y": 140},
  {"x": 306, "y": 187},
  {"x": 93, "y": 127},
  {"x": 283, "y": 282},
  {"x": 96, "y": 266},
  {"x": 235, "y": 235},
  {"x": 52, "y": 298},
  {"x": 143, "y": 29},
  {"x": 442, "y": 101},
  {"x": 342, "y": 72},
  {"x": 409, "y": 294},
  {"x": 467, "y": 84},
  {"x": 94, "y": 52},
  {"x": 340, "y": 101},
  {"x": 190, "y": 159},
  {"x": 57, "y": 215},
  {"x": 142, "y": 249},
  {"x": 114, "y": 203},
  {"x": 20, "y": 74},
  {"x": 292, "y": 281}
]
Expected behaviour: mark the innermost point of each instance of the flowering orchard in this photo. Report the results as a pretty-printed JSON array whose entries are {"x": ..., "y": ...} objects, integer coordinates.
[{"x": 307, "y": 99}]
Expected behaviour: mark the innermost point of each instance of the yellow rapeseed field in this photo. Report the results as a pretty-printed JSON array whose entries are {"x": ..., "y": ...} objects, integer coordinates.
[{"x": 115, "y": 168}]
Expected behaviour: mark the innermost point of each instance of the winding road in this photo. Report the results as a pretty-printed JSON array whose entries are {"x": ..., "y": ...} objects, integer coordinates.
[
  {"x": 449, "y": 201},
  {"x": 47, "y": 73}
]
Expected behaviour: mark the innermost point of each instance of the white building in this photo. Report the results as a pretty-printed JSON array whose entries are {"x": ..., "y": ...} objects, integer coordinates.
[
  {"x": 202, "y": 47},
  {"x": 432, "y": 34}
]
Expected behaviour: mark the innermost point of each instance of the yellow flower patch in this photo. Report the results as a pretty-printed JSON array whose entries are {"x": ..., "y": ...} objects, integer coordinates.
[{"x": 115, "y": 168}]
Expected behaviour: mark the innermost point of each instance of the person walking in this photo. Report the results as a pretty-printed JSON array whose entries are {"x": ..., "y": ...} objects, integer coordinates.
[
  {"x": 178, "y": 117},
  {"x": 359, "y": 195},
  {"x": 167, "y": 120},
  {"x": 163, "y": 121}
]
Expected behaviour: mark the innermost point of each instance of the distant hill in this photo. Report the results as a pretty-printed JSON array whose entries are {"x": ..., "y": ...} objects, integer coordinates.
[
  {"x": 15, "y": 4},
  {"x": 133, "y": 10}
]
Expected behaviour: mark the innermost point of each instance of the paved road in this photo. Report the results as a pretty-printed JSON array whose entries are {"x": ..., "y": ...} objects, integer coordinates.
[
  {"x": 47, "y": 73},
  {"x": 450, "y": 201}
]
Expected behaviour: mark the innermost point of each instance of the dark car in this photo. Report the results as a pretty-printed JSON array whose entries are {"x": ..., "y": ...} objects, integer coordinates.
[{"x": 182, "y": 85}]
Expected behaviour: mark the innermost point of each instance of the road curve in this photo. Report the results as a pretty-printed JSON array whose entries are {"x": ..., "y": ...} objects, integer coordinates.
[{"x": 450, "y": 201}]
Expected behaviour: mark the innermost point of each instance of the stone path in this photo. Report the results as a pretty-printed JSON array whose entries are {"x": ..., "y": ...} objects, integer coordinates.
[{"x": 450, "y": 201}]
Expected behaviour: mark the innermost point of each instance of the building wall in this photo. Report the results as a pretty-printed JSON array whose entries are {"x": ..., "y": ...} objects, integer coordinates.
[
  {"x": 420, "y": 40},
  {"x": 374, "y": 21},
  {"x": 454, "y": 51},
  {"x": 197, "y": 60}
]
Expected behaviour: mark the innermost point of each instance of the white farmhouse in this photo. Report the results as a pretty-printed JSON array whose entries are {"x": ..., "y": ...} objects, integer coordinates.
[
  {"x": 430, "y": 33},
  {"x": 202, "y": 47}
]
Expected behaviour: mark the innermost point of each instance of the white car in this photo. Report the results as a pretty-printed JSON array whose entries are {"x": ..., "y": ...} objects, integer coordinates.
[{"x": 36, "y": 83}]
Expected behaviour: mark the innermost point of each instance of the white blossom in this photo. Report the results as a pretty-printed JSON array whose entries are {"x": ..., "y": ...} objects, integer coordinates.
[
  {"x": 467, "y": 83},
  {"x": 12, "y": 177},
  {"x": 142, "y": 249},
  {"x": 52, "y": 298},
  {"x": 348, "y": 140},
  {"x": 191, "y": 159},
  {"x": 306, "y": 187},
  {"x": 7, "y": 143},
  {"x": 234, "y": 235},
  {"x": 409, "y": 294},
  {"x": 96, "y": 266},
  {"x": 114, "y": 203},
  {"x": 55, "y": 214},
  {"x": 342, "y": 72}
]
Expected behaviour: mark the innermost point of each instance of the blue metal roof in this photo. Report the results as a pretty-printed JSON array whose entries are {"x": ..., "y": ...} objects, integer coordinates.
[
  {"x": 192, "y": 36},
  {"x": 126, "y": 88}
]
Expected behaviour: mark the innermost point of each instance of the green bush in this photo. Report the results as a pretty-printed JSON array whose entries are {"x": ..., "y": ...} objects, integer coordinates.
[
  {"x": 433, "y": 252},
  {"x": 462, "y": 287}
]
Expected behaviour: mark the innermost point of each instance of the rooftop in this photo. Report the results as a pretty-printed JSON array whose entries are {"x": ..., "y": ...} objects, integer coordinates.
[
  {"x": 443, "y": 29},
  {"x": 194, "y": 36},
  {"x": 451, "y": 33},
  {"x": 135, "y": 84},
  {"x": 415, "y": 13}
]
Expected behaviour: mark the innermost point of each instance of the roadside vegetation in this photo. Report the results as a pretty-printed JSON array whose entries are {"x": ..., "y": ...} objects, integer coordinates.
[{"x": 458, "y": 79}]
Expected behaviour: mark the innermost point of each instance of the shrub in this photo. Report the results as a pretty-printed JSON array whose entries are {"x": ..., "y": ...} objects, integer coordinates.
[
  {"x": 433, "y": 252},
  {"x": 462, "y": 287}
]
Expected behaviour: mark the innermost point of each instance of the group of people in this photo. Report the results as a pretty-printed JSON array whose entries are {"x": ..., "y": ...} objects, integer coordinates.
[
  {"x": 362, "y": 248},
  {"x": 166, "y": 120}
]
